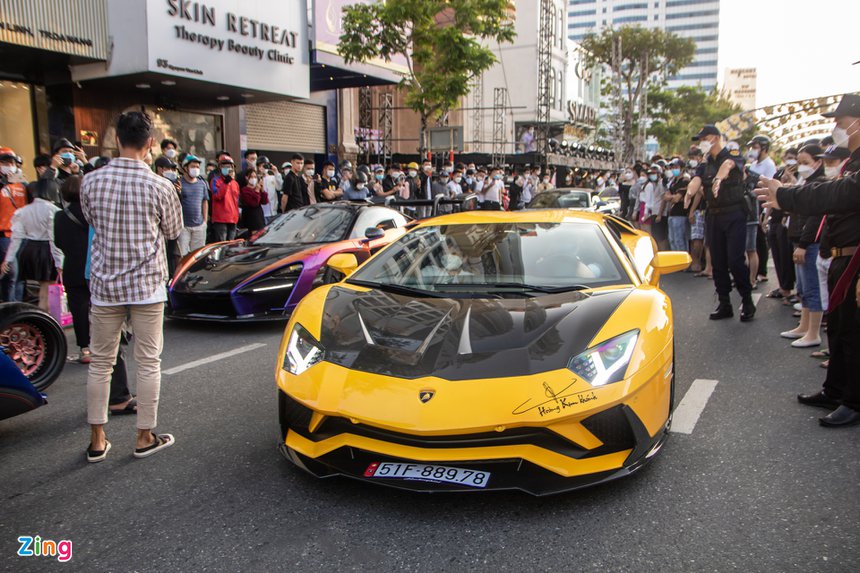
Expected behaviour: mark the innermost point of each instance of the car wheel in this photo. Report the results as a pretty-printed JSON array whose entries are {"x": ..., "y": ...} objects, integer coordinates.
[{"x": 35, "y": 342}]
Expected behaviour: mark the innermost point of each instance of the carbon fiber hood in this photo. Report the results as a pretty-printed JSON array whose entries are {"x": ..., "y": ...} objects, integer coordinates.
[
  {"x": 226, "y": 267},
  {"x": 460, "y": 338}
]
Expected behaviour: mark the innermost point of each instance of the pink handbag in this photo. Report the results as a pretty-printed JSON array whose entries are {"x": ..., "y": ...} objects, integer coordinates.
[{"x": 58, "y": 304}]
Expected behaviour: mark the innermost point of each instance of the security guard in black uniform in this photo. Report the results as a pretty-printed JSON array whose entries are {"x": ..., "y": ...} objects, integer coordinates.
[
  {"x": 722, "y": 178},
  {"x": 839, "y": 200}
]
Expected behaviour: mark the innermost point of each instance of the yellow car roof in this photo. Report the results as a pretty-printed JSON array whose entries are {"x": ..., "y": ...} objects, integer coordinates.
[{"x": 526, "y": 216}]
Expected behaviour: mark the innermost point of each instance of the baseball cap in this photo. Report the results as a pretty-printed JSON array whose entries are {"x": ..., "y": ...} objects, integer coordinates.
[
  {"x": 164, "y": 163},
  {"x": 60, "y": 144},
  {"x": 709, "y": 129},
  {"x": 834, "y": 152},
  {"x": 848, "y": 106}
]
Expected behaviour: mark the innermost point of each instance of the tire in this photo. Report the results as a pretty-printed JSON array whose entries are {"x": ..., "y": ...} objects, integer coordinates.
[{"x": 35, "y": 342}]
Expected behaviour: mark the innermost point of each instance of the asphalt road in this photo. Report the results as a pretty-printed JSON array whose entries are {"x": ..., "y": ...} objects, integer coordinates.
[{"x": 757, "y": 485}]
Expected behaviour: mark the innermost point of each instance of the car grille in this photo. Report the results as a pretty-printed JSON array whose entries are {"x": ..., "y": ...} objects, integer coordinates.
[{"x": 216, "y": 304}]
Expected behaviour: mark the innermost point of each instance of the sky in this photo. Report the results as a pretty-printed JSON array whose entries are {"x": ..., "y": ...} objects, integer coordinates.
[{"x": 801, "y": 49}]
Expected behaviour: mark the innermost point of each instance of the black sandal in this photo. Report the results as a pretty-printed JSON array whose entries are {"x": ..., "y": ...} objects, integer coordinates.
[
  {"x": 161, "y": 441},
  {"x": 95, "y": 456},
  {"x": 130, "y": 408}
]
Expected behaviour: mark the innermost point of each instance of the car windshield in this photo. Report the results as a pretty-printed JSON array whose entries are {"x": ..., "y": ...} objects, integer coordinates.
[
  {"x": 314, "y": 224},
  {"x": 572, "y": 199},
  {"x": 497, "y": 256}
]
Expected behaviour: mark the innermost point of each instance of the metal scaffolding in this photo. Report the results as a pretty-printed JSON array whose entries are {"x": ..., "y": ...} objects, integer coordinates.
[
  {"x": 386, "y": 124},
  {"x": 544, "y": 95},
  {"x": 477, "y": 115},
  {"x": 365, "y": 108},
  {"x": 500, "y": 102}
]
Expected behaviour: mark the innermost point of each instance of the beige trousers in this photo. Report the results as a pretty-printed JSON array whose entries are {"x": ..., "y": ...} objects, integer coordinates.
[{"x": 106, "y": 322}]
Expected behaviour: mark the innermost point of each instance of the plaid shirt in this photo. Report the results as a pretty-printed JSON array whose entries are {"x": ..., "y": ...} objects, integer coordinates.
[{"x": 132, "y": 211}]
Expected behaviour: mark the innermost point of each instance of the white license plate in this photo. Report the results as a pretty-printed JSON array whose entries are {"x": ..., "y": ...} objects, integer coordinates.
[{"x": 424, "y": 472}]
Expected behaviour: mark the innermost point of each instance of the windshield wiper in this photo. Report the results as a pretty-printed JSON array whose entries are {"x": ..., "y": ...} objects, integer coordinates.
[
  {"x": 511, "y": 285},
  {"x": 397, "y": 289}
]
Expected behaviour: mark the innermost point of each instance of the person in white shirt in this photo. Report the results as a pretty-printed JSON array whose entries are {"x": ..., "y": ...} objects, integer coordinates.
[
  {"x": 763, "y": 166},
  {"x": 491, "y": 194}
]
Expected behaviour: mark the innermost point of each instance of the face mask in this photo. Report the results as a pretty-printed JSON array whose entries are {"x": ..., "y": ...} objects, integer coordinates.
[
  {"x": 252, "y": 182},
  {"x": 225, "y": 171},
  {"x": 752, "y": 154},
  {"x": 705, "y": 147},
  {"x": 457, "y": 179},
  {"x": 170, "y": 153},
  {"x": 791, "y": 161},
  {"x": 380, "y": 176},
  {"x": 840, "y": 136},
  {"x": 428, "y": 169},
  {"x": 360, "y": 186},
  {"x": 7, "y": 169},
  {"x": 194, "y": 172},
  {"x": 546, "y": 179},
  {"x": 470, "y": 180},
  {"x": 412, "y": 173},
  {"x": 805, "y": 170},
  {"x": 252, "y": 163},
  {"x": 600, "y": 180},
  {"x": 68, "y": 157},
  {"x": 171, "y": 175},
  {"x": 497, "y": 177},
  {"x": 693, "y": 163},
  {"x": 832, "y": 172},
  {"x": 643, "y": 179},
  {"x": 329, "y": 173},
  {"x": 652, "y": 177},
  {"x": 309, "y": 172}
]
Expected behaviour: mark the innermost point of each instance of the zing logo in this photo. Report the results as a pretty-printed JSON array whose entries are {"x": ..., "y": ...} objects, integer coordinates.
[{"x": 426, "y": 395}]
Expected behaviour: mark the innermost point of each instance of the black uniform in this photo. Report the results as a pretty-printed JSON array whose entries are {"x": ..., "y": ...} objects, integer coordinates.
[
  {"x": 726, "y": 224},
  {"x": 840, "y": 202},
  {"x": 296, "y": 191}
]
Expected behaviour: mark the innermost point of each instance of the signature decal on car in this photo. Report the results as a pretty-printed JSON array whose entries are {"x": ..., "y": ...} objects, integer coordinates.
[{"x": 558, "y": 401}]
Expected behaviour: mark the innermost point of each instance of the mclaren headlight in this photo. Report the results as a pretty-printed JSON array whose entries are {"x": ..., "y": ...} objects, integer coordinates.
[
  {"x": 303, "y": 351},
  {"x": 607, "y": 362}
]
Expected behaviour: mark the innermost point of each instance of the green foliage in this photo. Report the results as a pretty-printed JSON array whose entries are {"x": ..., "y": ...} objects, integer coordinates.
[
  {"x": 635, "y": 58},
  {"x": 440, "y": 39},
  {"x": 679, "y": 114}
]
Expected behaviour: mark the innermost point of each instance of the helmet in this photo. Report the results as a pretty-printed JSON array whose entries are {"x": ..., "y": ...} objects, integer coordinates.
[
  {"x": 6, "y": 154},
  {"x": 263, "y": 160},
  {"x": 361, "y": 176},
  {"x": 412, "y": 165},
  {"x": 364, "y": 169},
  {"x": 346, "y": 165},
  {"x": 762, "y": 140}
]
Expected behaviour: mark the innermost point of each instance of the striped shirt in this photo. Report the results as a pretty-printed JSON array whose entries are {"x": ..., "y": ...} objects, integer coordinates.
[{"x": 132, "y": 212}]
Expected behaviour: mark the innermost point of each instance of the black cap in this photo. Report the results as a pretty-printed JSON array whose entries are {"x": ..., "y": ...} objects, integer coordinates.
[
  {"x": 164, "y": 163},
  {"x": 709, "y": 129},
  {"x": 848, "y": 106},
  {"x": 834, "y": 152},
  {"x": 61, "y": 143}
]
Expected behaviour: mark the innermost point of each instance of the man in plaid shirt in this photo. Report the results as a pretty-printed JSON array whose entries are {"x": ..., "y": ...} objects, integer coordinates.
[{"x": 132, "y": 212}]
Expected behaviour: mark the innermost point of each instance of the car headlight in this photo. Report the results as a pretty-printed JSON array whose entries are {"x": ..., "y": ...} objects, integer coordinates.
[
  {"x": 303, "y": 351},
  {"x": 607, "y": 362}
]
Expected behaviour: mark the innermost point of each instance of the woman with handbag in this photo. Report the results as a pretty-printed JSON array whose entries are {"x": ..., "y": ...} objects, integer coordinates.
[{"x": 32, "y": 243}]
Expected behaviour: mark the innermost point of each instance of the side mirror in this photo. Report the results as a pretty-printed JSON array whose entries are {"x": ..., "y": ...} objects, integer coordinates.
[
  {"x": 374, "y": 233},
  {"x": 344, "y": 263},
  {"x": 668, "y": 262}
]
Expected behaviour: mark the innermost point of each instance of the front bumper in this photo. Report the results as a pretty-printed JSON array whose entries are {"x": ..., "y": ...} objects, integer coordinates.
[
  {"x": 224, "y": 307},
  {"x": 535, "y": 460}
]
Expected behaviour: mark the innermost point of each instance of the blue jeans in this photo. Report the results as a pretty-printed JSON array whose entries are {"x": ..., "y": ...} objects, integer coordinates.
[
  {"x": 679, "y": 233},
  {"x": 9, "y": 281},
  {"x": 807, "y": 280}
]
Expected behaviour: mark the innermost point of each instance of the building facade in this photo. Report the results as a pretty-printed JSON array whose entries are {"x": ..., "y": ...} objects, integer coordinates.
[
  {"x": 739, "y": 87},
  {"x": 696, "y": 19}
]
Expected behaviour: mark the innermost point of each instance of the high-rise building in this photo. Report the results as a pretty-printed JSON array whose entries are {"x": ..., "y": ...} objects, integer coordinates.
[
  {"x": 696, "y": 19},
  {"x": 739, "y": 87}
]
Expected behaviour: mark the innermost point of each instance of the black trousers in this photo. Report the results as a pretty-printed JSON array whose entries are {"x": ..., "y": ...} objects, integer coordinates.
[
  {"x": 727, "y": 235},
  {"x": 780, "y": 248},
  {"x": 79, "y": 305},
  {"x": 761, "y": 247},
  {"x": 843, "y": 331}
]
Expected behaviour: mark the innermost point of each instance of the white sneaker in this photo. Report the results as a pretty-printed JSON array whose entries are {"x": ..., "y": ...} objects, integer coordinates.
[
  {"x": 798, "y": 306},
  {"x": 806, "y": 343},
  {"x": 790, "y": 335}
]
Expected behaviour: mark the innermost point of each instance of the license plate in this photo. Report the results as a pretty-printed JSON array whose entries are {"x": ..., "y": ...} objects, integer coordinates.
[{"x": 424, "y": 472}]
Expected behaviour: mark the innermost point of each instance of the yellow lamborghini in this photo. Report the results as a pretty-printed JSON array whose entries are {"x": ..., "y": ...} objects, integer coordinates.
[{"x": 485, "y": 350}]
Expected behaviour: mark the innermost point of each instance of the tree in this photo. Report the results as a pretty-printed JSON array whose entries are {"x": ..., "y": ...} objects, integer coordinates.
[
  {"x": 635, "y": 58},
  {"x": 679, "y": 114},
  {"x": 440, "y": 40}
]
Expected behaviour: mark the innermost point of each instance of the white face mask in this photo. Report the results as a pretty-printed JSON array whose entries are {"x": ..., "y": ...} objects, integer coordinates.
[
  {"x": 329, "y": 173},
  {"x": 752, "y": 154},
  {"x": 8, "y": 169},
  {"x": 705, "y": 146},
  {"x": 252, "y": 182},
  {"x": 832, "y": 172},
  {"x": 194, "y": 172},
  {"x": 840, "y": 136},
  {"x": 805, "y": 170},
  {"x": 171, "y": 153},
  {"x": 413, "y": 173},
  {"x": 694, "y": 163},
  {"x": 171, "y": 175},
  {"x": 309, "y": 172},
  {"x": 791, "y": 161}
]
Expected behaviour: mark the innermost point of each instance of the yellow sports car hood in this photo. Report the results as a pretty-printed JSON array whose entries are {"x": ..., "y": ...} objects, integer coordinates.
[{"x": 460, "y": 338}]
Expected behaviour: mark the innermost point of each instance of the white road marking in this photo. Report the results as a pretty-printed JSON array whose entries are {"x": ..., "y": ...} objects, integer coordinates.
[
  {"x": 687, "y": 413},
  {"x": 213, "y": 358},
  {"x": 756, "y": 297}
]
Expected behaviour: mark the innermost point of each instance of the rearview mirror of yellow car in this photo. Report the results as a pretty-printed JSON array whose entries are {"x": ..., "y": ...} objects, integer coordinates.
[
  {"x": 344, "y": 263},
  {"x": 667, "y": 262}
]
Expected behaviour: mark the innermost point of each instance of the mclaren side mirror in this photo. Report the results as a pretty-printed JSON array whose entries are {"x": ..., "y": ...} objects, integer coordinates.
[
  {"x": 374, "y": 233},
  {"x": 344, "y": 263}
]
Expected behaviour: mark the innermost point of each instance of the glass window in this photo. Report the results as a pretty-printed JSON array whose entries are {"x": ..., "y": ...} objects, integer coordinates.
[
  {"x": 16, "y": 123},
  {"x": 315, "y": 224},
  {"x": 197, "y": 133}
]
